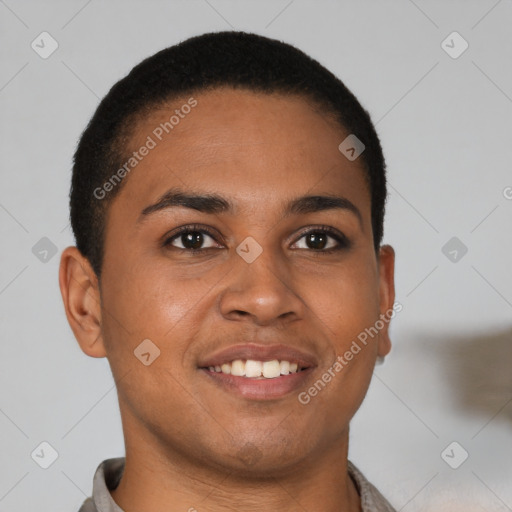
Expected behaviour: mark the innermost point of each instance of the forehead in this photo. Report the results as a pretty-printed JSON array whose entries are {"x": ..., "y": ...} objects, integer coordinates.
[{"x": 254, "y": 147}]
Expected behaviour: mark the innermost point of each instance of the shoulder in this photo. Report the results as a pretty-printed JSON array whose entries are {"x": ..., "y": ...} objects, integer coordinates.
[
  {"x": 107, "y": 477},
  {"x": 88, "y": 506},
  {"x": 371, "y": 499}
]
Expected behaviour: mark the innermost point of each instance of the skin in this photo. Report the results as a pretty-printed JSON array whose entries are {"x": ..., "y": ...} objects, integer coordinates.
[{"x": 190, "y": 444}]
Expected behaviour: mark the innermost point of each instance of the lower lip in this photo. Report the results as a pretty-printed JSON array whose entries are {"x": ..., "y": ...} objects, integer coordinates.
[{"x": 260, "y": 389}]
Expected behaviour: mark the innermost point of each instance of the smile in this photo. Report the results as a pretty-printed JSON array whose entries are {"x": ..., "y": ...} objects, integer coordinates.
[{"x": 252, "y": 369}]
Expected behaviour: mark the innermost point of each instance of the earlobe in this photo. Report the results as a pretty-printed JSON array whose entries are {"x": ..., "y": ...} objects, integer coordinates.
[
  {"x": 79, "y": 288},
  {"x": 387, "y": 295}
]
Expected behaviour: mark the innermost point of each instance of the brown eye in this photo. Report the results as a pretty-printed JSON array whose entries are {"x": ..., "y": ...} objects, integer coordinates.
[
  {"x": 191, "y": 239},
  {"x": 316, "y": 240},
  {"x": 323, "y": 240}
]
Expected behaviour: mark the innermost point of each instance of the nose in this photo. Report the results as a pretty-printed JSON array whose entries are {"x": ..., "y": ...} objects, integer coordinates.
[{"x": 261, "y": 292}]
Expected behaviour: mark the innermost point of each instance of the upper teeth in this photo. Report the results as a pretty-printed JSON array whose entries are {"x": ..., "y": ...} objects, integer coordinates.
[{"x": 255, "y": 369}]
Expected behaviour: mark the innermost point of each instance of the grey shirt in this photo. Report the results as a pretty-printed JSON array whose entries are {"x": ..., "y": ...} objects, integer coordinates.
[{"x": 110, "y": 471}]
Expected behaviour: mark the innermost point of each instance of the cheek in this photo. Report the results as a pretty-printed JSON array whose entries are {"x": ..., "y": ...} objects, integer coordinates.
[
  {"x": 146, "y": 312},
  {"x": 152, "y": 301},
  {"x": 136, "y": 294},
  {"x": 347, "y": 302}
]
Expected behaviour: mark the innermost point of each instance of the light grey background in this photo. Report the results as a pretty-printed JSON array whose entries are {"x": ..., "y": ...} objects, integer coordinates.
[{"x": 445, "y": 126}]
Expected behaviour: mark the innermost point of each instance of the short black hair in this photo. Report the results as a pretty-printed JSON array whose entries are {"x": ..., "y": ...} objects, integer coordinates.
[{"x": 205, "y": 62}]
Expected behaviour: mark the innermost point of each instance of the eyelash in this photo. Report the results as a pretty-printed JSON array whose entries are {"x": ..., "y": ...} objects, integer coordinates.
[{"x": 343, "y": 242}]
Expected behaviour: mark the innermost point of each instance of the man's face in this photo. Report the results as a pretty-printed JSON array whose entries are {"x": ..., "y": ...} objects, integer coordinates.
[{"x": 260, "y": 153}]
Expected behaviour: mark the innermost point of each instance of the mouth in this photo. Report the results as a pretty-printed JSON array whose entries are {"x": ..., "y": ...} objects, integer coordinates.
[
  {"x": 252, "y": 369},
  {"x": 259, "y": 372}
]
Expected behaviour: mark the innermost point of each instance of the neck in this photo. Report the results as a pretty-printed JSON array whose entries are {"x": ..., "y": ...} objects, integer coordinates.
[{"x": 159, "y": 479}]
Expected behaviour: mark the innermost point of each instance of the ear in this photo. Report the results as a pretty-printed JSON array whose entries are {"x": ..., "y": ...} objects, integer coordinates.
[
  {"x": 80, "y": 292},
  {"x": 386, "y": 264}
]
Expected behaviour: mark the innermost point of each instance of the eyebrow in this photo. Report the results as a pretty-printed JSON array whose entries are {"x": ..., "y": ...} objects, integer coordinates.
[{"x": 215, "y": 204}]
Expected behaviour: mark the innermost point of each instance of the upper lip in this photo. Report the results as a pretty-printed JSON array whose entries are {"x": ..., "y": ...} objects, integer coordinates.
[{"x": 259, "y": 353}]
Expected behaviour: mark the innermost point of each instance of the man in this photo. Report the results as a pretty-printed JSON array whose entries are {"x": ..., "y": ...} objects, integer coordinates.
[{"x": 227, "y": 203}]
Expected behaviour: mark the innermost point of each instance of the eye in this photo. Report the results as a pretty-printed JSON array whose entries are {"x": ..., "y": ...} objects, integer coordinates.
[
  {"x": 191, "y": 239},
  {"x": 197, "y": 239},
  {"x": 323, "y": 239}
]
